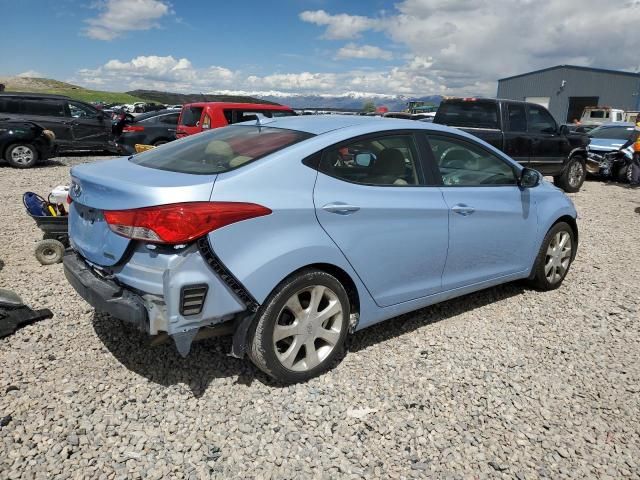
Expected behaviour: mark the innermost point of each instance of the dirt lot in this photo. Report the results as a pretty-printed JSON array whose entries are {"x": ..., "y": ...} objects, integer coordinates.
[{"x": 503, "y": 383}]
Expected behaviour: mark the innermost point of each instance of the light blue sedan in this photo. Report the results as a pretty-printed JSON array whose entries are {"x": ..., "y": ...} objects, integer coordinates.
[{"x": 292, "y": 233}]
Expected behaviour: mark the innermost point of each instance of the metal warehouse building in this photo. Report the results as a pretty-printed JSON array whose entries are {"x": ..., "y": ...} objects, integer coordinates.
[{"x": 565, "y": 89}]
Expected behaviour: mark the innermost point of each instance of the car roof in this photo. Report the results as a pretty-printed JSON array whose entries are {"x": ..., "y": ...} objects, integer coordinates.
[
  {"x": 238, "y": 105},
  {"x": 319, "y": 124},
  {"x": 156, "y": 113},
  {"x": 617, "y": 124},
  {"x": 34, "y": 95}
]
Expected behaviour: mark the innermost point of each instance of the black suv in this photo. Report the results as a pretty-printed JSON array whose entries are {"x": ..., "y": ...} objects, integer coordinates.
[
  {"x": 526, "y": 132},
  {"x": 77, "y": 125}
]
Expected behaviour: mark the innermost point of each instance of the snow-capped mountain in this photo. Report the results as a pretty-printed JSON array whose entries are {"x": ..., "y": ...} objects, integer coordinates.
[{"x": 345, "y": 101}]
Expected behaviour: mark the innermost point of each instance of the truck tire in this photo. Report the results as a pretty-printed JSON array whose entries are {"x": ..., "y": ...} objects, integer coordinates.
[{"x": 573, "y": 175}]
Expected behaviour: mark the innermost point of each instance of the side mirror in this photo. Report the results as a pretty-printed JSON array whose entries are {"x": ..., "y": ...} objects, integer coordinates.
[
  {"x": 363, "y": 159},
  {"x": 529, "y": 178},
  {"x": 563, "y": 130}
]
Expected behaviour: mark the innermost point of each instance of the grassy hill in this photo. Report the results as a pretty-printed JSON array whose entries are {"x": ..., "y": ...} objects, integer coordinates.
[{"x": 46, "y": 85}]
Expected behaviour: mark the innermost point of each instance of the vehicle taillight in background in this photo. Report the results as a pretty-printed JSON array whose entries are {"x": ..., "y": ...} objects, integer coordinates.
[
  {"x": 132, "y": 128},
  {"x": 206, "y": 122},
  {"x": 179, "y": 222}
]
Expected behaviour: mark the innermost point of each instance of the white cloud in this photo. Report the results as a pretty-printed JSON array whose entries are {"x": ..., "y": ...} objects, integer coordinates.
[
  {"x": 171, "y": 74},
  {"x": 120, "y": 16},
  {"x": 30, "y": 74},
  {"x": 339, "y": 27},
  {"x": 472, "y": 43},
  {"x": 352, "y": 50}
]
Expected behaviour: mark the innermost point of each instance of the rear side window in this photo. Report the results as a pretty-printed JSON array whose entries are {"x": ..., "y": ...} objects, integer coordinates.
[
  {"x": 44, "y": 108},
  {"x": 9, "y": 105},
  {"x": 517, "y": 117},
  {"x": 613, "y": 133},
  {"x": 219, "y": 150},
  {"x": 171, "y": 119},
  {"x": 240, "y": 115},
  {"x": 191, "y": 116},
  {"x": 472, "y": 113}
]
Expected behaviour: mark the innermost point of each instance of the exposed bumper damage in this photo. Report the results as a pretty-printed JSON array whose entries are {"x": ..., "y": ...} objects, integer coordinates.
[{"x": 153, "y": 291}]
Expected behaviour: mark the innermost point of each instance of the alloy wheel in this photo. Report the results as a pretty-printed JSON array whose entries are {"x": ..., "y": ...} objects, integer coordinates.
[
  {"x": 308, "y": 328},
  {"x": 22, "y": 155},
  {"x": 558, "y": 257},
  {"x": 576, "y": 172}
]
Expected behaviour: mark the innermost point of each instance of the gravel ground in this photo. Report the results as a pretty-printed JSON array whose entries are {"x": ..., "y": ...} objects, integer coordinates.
[{"x": 505, "y": 383}]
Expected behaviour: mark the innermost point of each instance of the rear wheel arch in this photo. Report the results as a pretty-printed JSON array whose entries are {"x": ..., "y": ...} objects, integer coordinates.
[{"x": 341, "y": 275}]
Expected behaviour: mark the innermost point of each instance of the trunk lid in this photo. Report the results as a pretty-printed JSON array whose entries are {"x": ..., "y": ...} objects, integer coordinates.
[{"x": 122, "y": 185}]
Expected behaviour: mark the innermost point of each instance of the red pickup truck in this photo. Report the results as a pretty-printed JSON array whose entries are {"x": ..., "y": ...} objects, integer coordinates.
[{"x": 196, "y": 117}]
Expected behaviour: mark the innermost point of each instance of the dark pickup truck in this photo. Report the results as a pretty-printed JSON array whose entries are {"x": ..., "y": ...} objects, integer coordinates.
[{"x": 526, "y": 132}]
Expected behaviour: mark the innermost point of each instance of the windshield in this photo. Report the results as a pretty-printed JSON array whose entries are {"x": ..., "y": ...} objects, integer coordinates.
[
  {"x": 219, "y": 150},
  {"x": 614, "y": 133}
]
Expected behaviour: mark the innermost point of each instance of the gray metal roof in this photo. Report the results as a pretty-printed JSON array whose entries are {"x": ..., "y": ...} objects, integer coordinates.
[{"x": 574, "y": 67}]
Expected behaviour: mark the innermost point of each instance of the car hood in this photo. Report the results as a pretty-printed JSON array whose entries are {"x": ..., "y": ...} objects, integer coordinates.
[{"x": 606, "y": 144}]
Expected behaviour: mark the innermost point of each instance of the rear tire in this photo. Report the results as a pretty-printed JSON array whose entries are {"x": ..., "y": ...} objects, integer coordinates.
[
  {"x": 49, "y": 251},
  {"x": 573, "y": 175},
  {"x": 301, "y": 328},
  {"x": 554, "y": 258},
  {"x": 21, "y": 155}
]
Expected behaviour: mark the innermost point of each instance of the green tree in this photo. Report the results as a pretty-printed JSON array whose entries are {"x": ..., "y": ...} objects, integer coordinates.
[{"x": 369, "y": 107}]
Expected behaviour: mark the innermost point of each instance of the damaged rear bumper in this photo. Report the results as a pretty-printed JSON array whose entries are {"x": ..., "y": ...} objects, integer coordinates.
[
  {"x": 104, "y": 294},
  {"x": 154, "y": 290}
]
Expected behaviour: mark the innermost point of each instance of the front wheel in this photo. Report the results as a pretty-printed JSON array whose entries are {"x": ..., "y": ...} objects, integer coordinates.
[
  {"x": 21, "y": 155},
  {"x": 622, "y": 173},
  {"x": 554, "y": 258},
  {"x": 573, "y": 176},
  {"x": 301, "y": 328}
]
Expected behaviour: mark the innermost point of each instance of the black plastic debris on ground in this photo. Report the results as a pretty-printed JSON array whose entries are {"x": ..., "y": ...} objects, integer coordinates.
[{"x": 15, "y": 314}]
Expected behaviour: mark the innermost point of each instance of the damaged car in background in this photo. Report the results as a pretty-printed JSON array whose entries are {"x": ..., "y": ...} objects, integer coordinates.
[
  {"x": 610, "y": 153},
  {"x": 293, "y": 232}
]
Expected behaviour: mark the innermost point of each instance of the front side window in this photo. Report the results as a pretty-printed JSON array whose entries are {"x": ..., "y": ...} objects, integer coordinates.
[
  {"x": 78, "y": 110},
  {"x": 540, "y": 120},
  {"x": 463, "y": 164},
  {"x": 219, "y": 150},
  {"x": 613, "y": 133},
  {"x": 468, "y": 113},
  {"x": 389, "y": 160}
]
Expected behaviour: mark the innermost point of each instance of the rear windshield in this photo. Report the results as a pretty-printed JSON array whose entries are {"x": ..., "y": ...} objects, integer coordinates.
[
  {"x": 613, "y": 133},
  {"x": 191, "y": 116},
  {"x": 477, "y": 114},
  {"x": 219, "y": 150}
]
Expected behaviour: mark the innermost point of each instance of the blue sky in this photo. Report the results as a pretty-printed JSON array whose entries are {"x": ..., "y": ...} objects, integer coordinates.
[{"x": 311, "y": 46}]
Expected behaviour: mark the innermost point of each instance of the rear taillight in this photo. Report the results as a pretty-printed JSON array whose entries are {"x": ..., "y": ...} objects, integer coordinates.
[
  {"x": 132, "y": 128},
  {"x": 179, "y": 222},
  {"x": 206, "y": 122}
]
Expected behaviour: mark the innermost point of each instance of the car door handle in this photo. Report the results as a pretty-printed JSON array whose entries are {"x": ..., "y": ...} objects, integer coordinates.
[
  {"x": 171, "y": 129},
  {"x": 340, "y": 208},
  {"x": 463, "y": 209}
]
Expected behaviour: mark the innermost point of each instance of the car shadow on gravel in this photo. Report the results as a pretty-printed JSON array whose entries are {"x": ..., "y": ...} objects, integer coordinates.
[
  {"x": 409, "y": 322},
  {"x": 162, "y": 364},
  {"x": 209, "y": 360}
]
